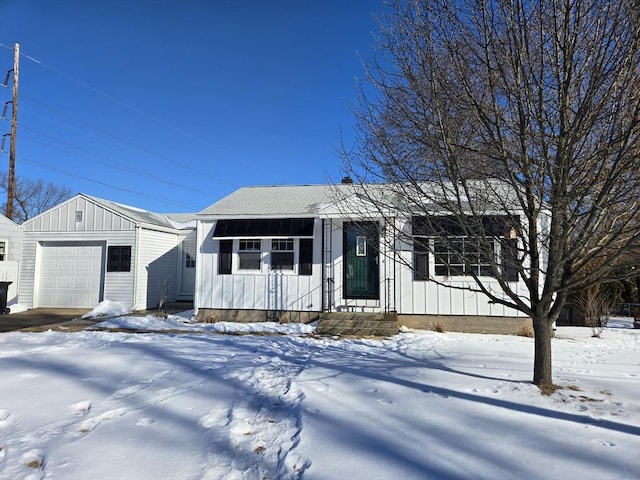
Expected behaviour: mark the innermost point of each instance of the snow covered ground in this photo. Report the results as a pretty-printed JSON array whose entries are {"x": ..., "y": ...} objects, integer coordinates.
[{"x": 187, "y": 402}]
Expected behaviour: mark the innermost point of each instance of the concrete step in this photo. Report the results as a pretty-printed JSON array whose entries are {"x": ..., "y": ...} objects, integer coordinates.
[{"x": 359, "y": 324}]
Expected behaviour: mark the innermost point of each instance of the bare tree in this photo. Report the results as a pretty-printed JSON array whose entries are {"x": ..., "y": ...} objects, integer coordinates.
[
  {"x": 32, "y": 197},
  {"x": 528, "y": 112}
]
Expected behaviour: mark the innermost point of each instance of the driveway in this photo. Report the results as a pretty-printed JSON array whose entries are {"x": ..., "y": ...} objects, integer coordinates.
[
  {"x": 42, "y": 319},
  {"x": 67, "y": 319}
]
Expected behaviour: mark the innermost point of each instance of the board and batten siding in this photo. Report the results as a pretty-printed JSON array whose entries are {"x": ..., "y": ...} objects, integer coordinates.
[
  {"x": 157, "y": 265},
  {"x": 65, "y": 218},
  {"x": 264, "y": 290}
]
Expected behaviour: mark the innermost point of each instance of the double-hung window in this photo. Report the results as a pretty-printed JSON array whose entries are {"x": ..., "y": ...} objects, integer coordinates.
[
  {"x": 249, "y": 254},
  {"x": 282, "y": 254},
  {"x": 3, "y": 250}
]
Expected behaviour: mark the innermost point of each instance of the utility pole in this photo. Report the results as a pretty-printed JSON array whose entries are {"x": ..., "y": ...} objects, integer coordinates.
[{"x": 14, "y": 128}]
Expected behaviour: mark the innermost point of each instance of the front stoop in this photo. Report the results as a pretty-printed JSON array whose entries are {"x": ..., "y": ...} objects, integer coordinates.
[{"x": 358, "y": 324}]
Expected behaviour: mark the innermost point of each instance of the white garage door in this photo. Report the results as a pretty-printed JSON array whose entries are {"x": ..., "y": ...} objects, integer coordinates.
[{"x": 70, "y": 275}]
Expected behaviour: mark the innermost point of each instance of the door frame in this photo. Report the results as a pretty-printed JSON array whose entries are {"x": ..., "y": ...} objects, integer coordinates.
[{"x": 370, "y": 251}]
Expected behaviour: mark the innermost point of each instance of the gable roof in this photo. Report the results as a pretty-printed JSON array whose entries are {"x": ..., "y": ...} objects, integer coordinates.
[
  {"x": 274, "y": 200},
  {"x": 139, "y": 215}
]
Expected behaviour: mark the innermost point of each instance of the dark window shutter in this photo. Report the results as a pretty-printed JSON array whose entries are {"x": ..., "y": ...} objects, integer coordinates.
[
  {"x": 420, "y": 259},
  {"x": 306, "y": 256},
  {"x": 225, "y": 256},
  {"x": 510, "y": 259}
]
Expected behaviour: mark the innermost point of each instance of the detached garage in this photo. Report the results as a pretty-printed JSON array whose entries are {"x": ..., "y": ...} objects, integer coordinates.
[{"x": 87, "y": 249}]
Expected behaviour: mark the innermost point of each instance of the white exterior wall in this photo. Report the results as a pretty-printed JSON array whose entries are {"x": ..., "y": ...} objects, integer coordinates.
[
  {"x": 156, "y": 266},
  {"x": 117, "y": 285},
  {"x": 61, "y": 225},
  {"x": 444, "y": 296},
  {"x": 260, "y": 290},
  {"x": 398, "y": 291}
]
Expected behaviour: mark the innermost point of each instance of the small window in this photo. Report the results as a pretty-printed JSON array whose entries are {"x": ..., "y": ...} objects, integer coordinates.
[
  {"x": 119, "y": 259},
  {"x": 3, "y": 251},
  {"x": 361, "y": 246},
  {"x": 282, "y": 254},
  {"x": 189, "y": 249},
  {"x": 249, "y": 254},
  {"x": 225, "y": 256},
  {"x": 305, "y": 260},
  {"x": 78, "y": 215}
]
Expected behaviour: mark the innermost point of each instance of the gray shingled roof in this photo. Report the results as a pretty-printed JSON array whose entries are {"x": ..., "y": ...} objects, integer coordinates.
[
  {"x": 138, "y": 215},
  {"x": 274, "y": 200}
]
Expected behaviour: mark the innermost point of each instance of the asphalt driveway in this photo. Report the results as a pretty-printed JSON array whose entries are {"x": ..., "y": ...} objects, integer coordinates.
[
  {"x": 42, "y": 319},
  {"x": 66, "y": 319}
]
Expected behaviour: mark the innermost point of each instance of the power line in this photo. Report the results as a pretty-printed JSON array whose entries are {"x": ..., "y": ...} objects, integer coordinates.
[
  {"x": 121, "y": 103},
  {"x": 81, "y": 177},
  {"x": 127, "y": 142},
  {"x": 107, "y": 161}
]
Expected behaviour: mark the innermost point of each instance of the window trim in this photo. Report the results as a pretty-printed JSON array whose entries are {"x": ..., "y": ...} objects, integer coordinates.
[
  {"x": 119, "y": 258},
  {"x": 277, "y": 251},
  {"x": 246, "y": 254}
]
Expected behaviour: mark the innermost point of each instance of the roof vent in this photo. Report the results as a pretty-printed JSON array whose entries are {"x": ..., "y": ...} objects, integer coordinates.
[{"x": 347, "y": 180}]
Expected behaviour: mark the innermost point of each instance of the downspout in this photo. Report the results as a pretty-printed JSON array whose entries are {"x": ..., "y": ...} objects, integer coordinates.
[
  {"x": 323, "y": 273},
  {"x": 196, "y": 290},
  {"x": 136, "y": 269}
]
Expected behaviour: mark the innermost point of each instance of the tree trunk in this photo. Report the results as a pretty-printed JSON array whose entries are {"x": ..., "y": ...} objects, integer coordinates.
[{"x": 542, "y": 375}]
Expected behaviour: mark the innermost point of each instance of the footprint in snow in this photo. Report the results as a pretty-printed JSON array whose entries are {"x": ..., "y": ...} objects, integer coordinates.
[
  {"x": 128, "y": 391},
  {"x": 80, "y": 408},
  {"x": 143, "y": 422},
  {"x": 91, "y": 423},
  {"x": 218, "y": 417},
  {"x": 384, "y": 401},
  {"x": 33, "y": 459}
]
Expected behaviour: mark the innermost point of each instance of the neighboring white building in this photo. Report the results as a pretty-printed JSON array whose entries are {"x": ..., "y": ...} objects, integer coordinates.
[
  {"x": 10, "y": 255},
  {"x": 294, "y": 251},
  {"x": 86, "y": 250}
]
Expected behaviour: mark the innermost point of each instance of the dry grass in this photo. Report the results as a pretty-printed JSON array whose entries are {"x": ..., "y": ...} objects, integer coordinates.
[
  {"x": 548, "y": 389},
  {"x": 525, "y": 331},
  {"x": 438, "y": 327}
]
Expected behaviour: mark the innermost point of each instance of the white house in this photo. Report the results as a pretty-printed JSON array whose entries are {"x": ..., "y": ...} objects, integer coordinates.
[
  {"x": 10, "y": 254},
  {"x": 87, "y": 249},
  {"x": 295, "y": 251}
]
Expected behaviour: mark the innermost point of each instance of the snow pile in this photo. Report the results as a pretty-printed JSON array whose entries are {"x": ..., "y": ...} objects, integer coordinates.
[
  {"x": 420, "y": 405},
  {"x": 184, "y": 322},
  {"x": 107, "y": 308}
]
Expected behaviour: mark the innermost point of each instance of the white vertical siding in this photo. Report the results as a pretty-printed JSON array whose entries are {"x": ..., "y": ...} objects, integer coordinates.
[
  {"x": 63, "y": 218},
  {"x": 156, "y": 267},
  {"x": 263, "y": 290}
]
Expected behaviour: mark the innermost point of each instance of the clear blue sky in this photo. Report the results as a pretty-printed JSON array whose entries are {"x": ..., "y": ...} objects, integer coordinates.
[{"x": 171, "y": 105}]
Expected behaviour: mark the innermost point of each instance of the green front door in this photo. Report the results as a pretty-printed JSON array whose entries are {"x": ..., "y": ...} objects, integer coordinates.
[{"x": 361, "y": 271}]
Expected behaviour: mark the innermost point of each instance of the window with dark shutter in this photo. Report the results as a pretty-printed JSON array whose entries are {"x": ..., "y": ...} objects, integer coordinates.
[
  {"x": 119, "y": 258},
  {"x": 225, "y": 256}
]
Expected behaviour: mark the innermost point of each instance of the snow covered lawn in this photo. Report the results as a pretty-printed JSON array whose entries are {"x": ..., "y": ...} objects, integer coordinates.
[{"x": 190, "y": 404}]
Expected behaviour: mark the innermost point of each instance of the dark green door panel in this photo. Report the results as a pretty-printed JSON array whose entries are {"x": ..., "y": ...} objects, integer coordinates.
[{"x": 361, "y": 274}]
